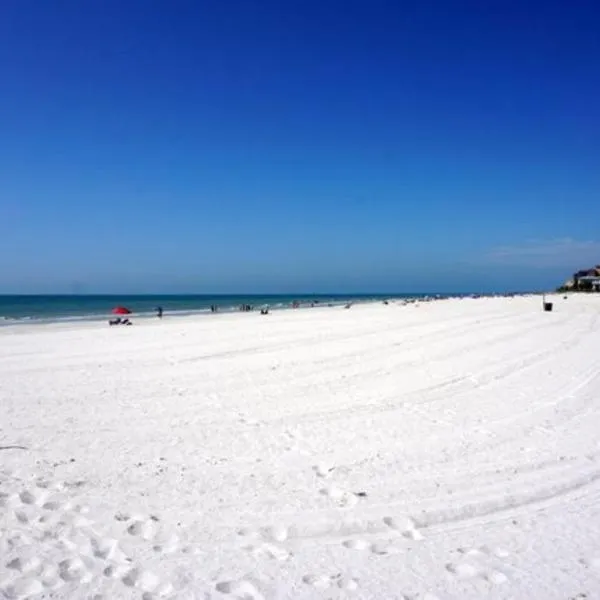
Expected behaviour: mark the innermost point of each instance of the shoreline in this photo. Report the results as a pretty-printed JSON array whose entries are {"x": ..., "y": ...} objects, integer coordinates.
[
  {"x": 150, "y": 319},
  {"x": 320, "y": 301}
]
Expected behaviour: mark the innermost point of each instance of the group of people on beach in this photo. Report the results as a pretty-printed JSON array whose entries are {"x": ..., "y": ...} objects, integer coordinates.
[{"x": 213, "y": 309}]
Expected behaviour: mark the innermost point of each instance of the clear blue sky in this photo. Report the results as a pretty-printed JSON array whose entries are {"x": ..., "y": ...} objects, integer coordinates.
[{"x": 300, "y": 145}]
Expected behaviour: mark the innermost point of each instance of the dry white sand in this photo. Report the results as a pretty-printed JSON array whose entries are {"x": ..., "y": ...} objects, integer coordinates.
[{"x": 447, "y": 450}]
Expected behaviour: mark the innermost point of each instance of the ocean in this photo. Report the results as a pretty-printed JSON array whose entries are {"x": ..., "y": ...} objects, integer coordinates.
[{"x": 45, "y": 309}]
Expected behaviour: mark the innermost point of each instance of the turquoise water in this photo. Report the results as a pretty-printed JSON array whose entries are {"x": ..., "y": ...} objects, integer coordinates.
[{"x": 58, "y": 308}]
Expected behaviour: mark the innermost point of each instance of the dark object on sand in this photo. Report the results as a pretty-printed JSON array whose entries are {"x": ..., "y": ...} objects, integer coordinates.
[
  {"x": 548, "y": 306},
  {"x": 264, "y": 311},
  {"x": 119, "y": 321}
]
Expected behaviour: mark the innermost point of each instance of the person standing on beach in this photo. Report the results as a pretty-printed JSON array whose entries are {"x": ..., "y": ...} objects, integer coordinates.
[{"x": 159, "y": 312}]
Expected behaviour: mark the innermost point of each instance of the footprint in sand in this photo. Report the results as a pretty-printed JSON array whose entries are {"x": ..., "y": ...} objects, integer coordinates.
[
  {"x": 405, "y": 526},
  {"x": 144, "y": 529},
  {"x": 277, "y": 533},
  {"x": 27, "y": 497},
  {"x": 483, "y": 551},
  {"x": 480, "y": 563},
  {"x": 270, "y": 551},
  {"x": 25, "y": 565},
  {"x": 141, "y": 579},
  {"x": 318, "y": 581},
  {"x": 242, "y": 589},
  {"x": 463, "y": 570},
  {"x": 268, "y": 542},
  {"x": 357, "y": 544},
  {"x": 467, "y": 571},
  {"x": 496, "y": 577},
  {"x": 322, "y": 582},
  {"x": 53, "y": 504},
  {"x": 50, "y": 577},
  {"x": 22, "y": 516},
  {"x": 348, "y": 583},
  {"x": 591, "y": 563},
  {"x": 380, "y": 549},
  {"x": 340, "y": 497},
  {"x": 166, "y": 544},
  {"x": 323, "y": 470},
  {"x": 383, "y": 549},
  {"x": 117, "y": 571},
  {"x": 106, "y": 549}
]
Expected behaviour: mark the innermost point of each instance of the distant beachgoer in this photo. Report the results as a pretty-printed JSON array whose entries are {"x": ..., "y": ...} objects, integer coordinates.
[{"x": 159, "y": 312}]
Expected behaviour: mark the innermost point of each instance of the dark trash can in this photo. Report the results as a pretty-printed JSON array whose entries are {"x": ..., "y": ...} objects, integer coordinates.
[{"x": 548, "y": 306}]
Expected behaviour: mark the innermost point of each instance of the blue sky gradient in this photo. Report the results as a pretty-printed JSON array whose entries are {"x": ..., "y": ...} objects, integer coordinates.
[{"x": 268, "y": 146}]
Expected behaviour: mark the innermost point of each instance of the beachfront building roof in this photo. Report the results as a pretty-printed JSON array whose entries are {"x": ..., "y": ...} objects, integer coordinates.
[{"x": 595, "y": 272}]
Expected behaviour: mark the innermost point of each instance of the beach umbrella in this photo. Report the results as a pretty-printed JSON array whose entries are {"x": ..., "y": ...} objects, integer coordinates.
[{"x": 121, "y": 310}]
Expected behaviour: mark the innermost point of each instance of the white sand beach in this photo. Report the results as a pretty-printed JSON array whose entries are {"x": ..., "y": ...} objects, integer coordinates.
[{"x": 444, "y": 450}]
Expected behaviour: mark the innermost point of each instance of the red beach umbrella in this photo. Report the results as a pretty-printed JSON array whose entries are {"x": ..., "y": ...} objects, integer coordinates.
[{"x": 121, "y": 310}]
